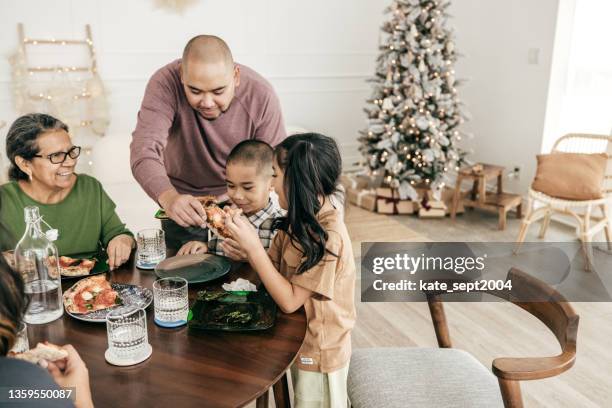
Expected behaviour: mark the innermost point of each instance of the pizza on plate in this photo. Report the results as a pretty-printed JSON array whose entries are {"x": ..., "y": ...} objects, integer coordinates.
[
  {"x": 75, "y": 267},
  {"x": 89, "y": 295}
]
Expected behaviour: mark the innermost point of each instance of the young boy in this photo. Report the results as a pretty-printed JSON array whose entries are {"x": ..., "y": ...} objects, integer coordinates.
[{"x": 248, "y": 173}]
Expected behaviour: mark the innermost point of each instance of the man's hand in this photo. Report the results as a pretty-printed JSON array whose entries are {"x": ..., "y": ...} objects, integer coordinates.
[{"x": 183, "y": 209}]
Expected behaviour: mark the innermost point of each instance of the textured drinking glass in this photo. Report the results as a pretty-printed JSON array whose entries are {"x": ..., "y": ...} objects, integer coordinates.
[
  {"x": 171, "y": 300},
  {"x": 151, "y": 248},
  {"x": 21, "y": 342},
  {"x": 128, "y": 342}
]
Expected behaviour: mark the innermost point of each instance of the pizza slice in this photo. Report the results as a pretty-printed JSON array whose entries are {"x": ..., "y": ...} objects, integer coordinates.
[
  {"x": 216, "y": 221},
  {"x": 75, "y": 267},
  {"x": 42, "y": 351},
  {"x": 89, "y": 295}
]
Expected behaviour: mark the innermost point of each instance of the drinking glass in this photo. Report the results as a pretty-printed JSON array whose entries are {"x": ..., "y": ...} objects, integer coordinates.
[
  {"x": 128, "y": 342},
  {"x": 21, "y": 342},
  {"x": 151, "y": 248},
  {"x": 170, "y": 297}
]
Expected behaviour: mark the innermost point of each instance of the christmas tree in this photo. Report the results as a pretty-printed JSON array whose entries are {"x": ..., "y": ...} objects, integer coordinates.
[{"x": 414, "y": 113}]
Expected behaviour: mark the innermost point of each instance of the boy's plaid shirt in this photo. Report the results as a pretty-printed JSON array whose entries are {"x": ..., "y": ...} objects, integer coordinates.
[{"x": 262, "y": 221}]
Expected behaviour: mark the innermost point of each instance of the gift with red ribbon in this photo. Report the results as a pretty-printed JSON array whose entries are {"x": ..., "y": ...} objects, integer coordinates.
[{"x": 388, "y": 201}]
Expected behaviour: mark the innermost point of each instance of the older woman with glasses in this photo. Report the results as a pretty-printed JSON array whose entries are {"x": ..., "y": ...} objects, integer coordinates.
[{"x": 43, "y": 161}]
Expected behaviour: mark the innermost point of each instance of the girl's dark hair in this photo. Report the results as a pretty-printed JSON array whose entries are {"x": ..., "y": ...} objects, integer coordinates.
[
  {"x": 312, "y": 165},
  {"x": 21, "y": 139},
  {"x": 13, "y": 304}
]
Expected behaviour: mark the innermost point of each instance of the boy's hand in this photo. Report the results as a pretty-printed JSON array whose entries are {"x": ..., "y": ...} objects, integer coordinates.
[
  {"x": 233, "y": 250},
  {"x": 243, "y": 233},
  {"x": 193, "y": 247}
]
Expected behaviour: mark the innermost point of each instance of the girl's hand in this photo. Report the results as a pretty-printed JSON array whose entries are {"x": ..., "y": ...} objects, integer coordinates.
[
  {"x": 118, "y": 250},
  {"x": 193, "y": 247},
  {"x": 72, "y": 372},
  {"x": 243, "y": 233},
  {"x": 233, "y": 250}
]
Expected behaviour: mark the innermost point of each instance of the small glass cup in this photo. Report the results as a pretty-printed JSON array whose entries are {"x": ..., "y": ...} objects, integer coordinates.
[
  {"x": 151, "y": 248},
  {"x": 128, "y": 342},
  {"x": 171, "y": 300},
  {"x": 21, "y": 342}
]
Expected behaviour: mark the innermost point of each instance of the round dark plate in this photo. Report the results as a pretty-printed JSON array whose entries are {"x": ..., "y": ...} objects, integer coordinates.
[{"x": 196, "y": 268}]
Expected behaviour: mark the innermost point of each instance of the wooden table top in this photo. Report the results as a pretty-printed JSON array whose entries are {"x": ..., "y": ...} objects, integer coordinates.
[{"x": 186, "y": 369}]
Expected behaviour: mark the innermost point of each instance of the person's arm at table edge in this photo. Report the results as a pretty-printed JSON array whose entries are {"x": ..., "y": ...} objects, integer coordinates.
[{"x": 288, "y": 296}]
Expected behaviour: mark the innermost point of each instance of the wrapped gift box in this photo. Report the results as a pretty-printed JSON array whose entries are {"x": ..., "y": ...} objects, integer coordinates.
[
  {"x": 434, "y": 209},
  {"x": 356, "y": 181},
  {"x": 362, "y": 198},
  {"x": 446, "y": 197},
  {"x": 389, "y": 202}
]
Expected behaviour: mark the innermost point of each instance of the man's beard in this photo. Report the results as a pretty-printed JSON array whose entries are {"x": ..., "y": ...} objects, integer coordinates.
[{"x": 221, "y": 112}]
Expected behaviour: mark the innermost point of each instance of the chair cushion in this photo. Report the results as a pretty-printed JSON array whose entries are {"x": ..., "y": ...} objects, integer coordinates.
[
  {"x": 571, "y": 176},
  {"x": 420, "y": 377}
]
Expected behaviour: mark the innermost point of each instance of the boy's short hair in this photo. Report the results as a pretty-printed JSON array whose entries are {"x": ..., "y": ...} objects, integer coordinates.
[{"x": 252, "y": 152}]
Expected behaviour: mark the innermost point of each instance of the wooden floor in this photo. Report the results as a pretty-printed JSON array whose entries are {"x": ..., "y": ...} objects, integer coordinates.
[{"x": 487, "y": 330}]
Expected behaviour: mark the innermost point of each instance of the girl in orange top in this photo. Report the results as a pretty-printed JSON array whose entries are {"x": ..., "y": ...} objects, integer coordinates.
[{"x": 310, "y": 263}]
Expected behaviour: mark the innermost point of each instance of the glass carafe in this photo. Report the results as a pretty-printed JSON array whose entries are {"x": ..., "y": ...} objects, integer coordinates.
[{"x": 37, "y": 260}]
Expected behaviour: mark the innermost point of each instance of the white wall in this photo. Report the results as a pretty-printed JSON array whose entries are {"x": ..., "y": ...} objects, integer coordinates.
[
  {"x": 316, "y": 60},
  {"x": 506, "y": 95},
  {"x": 317, "y": 54}
]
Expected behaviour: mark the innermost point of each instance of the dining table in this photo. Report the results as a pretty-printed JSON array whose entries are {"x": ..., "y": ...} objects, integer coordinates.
[{"x": 187, "y": 367}]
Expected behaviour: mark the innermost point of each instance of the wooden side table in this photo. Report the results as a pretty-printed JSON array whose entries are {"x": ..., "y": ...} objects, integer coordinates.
[{"x": 479, "y": 197}]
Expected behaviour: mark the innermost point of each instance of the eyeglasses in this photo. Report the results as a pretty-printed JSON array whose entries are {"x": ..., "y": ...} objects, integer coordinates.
[{"x": 60, "y": 157}]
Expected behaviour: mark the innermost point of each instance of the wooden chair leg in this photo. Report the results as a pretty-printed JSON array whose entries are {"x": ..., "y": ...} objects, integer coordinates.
[
  {"x": 502, "y": 219},
  {"x": 544, "y": 225},
  {"x": 585, "y": 237},
  {"x": 608, "y": 227},
  {"x": 438, "y": 318},
  {"x": 511, "y": 393},
  {"x": 456, "y": 198},
  {"x": 519, "y": 211},
  {"x": 482, "y": 190},
  {"x": 281, "y": 393},
  {"x": 262, "y": 400},
  {"x": 524, "y": 225}
]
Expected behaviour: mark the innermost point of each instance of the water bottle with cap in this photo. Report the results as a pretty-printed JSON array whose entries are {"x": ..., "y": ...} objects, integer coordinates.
[{"x": 37, "y": 260}]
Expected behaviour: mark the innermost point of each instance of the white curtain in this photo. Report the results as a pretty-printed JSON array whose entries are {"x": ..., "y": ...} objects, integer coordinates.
[{"x": 587, "y": 102}]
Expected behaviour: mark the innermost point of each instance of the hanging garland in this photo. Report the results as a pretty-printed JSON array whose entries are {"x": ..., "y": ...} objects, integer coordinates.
[{"x": 78, "y": 101}]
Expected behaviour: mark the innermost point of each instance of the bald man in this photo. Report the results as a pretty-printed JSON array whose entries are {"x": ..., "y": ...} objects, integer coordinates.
[{"x": 194, "y": 111}]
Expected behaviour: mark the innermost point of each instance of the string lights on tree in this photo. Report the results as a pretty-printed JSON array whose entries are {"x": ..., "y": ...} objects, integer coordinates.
[{"x": 414, "y": 113}]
